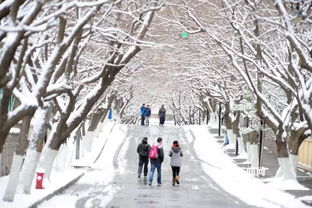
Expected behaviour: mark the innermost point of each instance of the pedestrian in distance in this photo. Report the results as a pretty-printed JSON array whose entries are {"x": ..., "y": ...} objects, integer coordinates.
[
  {"x": 175, "y": 161},
  {"x": 142, "y": 112},
  {"x": 156, "y": 156},
  {"x": 162, "y": 115},
  {"x": 147, "y": 114},
  {"x": 143, "y": 151}
]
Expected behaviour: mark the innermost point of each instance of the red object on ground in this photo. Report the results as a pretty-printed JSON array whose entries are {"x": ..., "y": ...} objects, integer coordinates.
[{"x": 39, "y": 180}]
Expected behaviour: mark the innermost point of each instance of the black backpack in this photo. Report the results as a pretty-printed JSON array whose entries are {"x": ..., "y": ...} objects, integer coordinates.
[{"x": 144, "y": 150}]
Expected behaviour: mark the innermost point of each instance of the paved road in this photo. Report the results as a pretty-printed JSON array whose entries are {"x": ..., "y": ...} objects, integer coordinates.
[
  {"x": 126, "y": 190},
  {"x": 196, "y": 188}
]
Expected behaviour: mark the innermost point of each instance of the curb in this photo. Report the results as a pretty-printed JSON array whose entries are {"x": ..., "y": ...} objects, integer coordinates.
[{"x": 59, "y": 190}]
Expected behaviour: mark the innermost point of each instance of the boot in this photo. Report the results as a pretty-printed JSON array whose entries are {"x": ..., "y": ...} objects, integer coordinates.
[
  {"x": 177, "y": 179},
  {"x": 173, "y": 182}
]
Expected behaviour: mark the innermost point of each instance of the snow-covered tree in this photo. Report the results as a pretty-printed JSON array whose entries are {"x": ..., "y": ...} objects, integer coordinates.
[
  {"x": 259, "y": 56},
  {"x": 62, "y": 63}
]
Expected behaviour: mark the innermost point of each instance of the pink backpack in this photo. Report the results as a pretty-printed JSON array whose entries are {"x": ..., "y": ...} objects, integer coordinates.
[{"x": 153, "y": 154}]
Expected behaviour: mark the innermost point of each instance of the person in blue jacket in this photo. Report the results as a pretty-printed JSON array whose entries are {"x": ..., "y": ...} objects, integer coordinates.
[
  {"x": 142, "y": 112},
  {"x": 147, "y": 114}
]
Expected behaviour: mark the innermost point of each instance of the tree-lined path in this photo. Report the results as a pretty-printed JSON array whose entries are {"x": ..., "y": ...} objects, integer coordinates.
[
  {"x": 196, "y": 188},
  {"x": 246, "y": 65}
]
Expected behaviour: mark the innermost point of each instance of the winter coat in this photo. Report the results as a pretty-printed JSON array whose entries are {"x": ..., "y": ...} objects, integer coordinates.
[
  {"x": 175, "y": 154},
  {"x": 143, "y": 149},
  {"x": 142, "y": 110},
  {"x": 161, "y": 155},
  {"x": 147, "y": 112},
  {"x": 162, "y": 112}
]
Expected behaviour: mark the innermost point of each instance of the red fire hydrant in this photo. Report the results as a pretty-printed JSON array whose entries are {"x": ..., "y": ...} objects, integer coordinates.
[{"x": 39, "y": 180}]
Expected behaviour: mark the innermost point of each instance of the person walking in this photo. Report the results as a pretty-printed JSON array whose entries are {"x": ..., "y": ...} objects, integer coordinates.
[
  {"x": 147, "y": 114},
  {"x": 175, "y": 161},
  {"x": 162, "y": 115},
  {"x": 142, "y": 112},
  {"x": 156, "y": 158},
  {"x": 143, "y": 151}
]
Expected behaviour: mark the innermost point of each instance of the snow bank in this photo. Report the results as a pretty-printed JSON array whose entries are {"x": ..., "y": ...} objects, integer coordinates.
[
  {"x": 101, "y": 173},
  {"x": 22, "y": 200},
  {"x": 232, "y": 178}
]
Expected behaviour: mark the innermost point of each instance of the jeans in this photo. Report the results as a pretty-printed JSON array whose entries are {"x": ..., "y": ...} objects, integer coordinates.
[
  {"x": 147, "y": 120},
  {"x": 153, "y": 167},
  {"x": 143, "y": 161},
  {"x": 142, "y": 120}
]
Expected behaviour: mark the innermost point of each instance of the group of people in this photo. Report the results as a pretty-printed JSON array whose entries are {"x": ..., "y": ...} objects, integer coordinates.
[
  {"x": 146, "y": 112},
  {"x": 155, "y": 155}
]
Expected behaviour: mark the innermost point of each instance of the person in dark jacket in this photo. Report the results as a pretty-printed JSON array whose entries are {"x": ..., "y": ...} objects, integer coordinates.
[
  {"x": 156, "y": 163},
  {"x": 143, "y": 151},
  {"x": 162, "y": 115},
  {"x": 142, "y": 112},
  {"x": 175, "y": 162},
  {"x": 147, "y": 114}
]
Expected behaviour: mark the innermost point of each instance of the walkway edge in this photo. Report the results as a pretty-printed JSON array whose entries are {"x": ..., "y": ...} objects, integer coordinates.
[{"x": 59, "y": 190}]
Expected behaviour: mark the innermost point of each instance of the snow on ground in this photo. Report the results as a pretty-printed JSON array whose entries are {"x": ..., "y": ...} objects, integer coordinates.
[
  {"x": 215, "y": 163},
  {"x": 102, "y": 173},
  {"x": 59, "y": 178},
  {"x": 22, "y": 200},
  {"x": 233, "y": 179}
]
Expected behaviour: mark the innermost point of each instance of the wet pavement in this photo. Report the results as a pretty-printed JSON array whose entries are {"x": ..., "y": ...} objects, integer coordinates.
[
  {"x": 124, "y": 189},
  {"x": 195, "y": 190}
]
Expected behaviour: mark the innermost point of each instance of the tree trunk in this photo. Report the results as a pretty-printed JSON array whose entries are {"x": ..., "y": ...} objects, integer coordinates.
[
  {"x": 251, "y": 139},
  {"x": 254, "y": 155},
  {"x": 295, "y": 139},
  {"x": 227, "y": 121},
  {"x": 3, "y": 135},
  {"x": 285, "y": 170},
  {"x": 34, "y": 150},
  {"x": 77, "y": 148},
  {"x": 241, "y": 148},
  {"x": 92, "y": 129},
  {"x": 46, "y": 160},
  {"x": 61, "y": 158},
  {"x": 282, "y": 151},
  {"x": 236, "y": 129},
  {"x": 174, "y": 119},
  {"x": 13, "y": 178},
  {"x": 95, "y": 119},
  {"x": 87, "y": 141},
  {"x": 17, "y": 161},
  {"x": 229, "y": 126},
  {"x": 49, "y": 152},
  {"x": 3, "y": 117}
]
